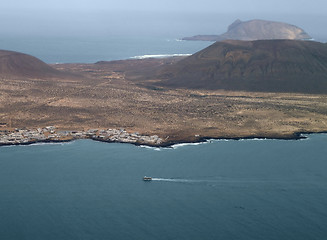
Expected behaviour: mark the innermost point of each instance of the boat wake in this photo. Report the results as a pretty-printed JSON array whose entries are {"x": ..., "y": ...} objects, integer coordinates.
[
  {"x": 229, "y": 182},
  {"x": 178, "y": 180}
]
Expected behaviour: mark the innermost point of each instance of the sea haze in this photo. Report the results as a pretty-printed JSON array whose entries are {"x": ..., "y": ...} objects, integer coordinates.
[
  {"x": 91, "y": 49},
  {"x": 250, "y": 189},
  {"x": 85, "y": 36}
]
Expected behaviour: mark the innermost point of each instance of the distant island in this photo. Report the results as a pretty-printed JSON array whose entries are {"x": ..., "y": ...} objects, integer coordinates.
[
  {"x": 256, "y": 30},
  {"x": 231, "y": 90}
]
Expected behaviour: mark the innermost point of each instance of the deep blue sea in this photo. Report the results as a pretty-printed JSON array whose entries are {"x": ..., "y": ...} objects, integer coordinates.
[{"x": 248, "y": 189}]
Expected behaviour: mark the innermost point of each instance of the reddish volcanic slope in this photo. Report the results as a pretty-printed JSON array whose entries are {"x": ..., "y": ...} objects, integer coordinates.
[
  {"x": 14, "y": 64},
  {"x": 263, "y": 65}
]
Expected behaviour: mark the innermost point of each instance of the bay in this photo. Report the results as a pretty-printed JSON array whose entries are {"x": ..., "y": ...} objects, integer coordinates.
[
  {"x": 90, "y": 49},
  {"x": 248, "y": 189}
]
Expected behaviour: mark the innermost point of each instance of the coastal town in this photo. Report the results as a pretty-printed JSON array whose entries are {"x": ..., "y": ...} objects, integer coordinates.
[{"x": 51, "y": 134}]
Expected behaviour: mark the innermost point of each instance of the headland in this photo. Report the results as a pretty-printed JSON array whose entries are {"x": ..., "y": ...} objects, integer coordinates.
[
  {"x": 256, "y": 29},
  {"x": 130, "y": 95}
]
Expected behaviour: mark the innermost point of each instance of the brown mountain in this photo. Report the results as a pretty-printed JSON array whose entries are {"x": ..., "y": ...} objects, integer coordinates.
[
  {"x": 263, "y": 65},
  {"x": 15, "y": 64},
  {"x": 256, "y": 30}
]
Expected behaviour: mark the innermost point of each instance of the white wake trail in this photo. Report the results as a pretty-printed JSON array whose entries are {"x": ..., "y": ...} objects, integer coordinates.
[{"x": 178, "y": 180}]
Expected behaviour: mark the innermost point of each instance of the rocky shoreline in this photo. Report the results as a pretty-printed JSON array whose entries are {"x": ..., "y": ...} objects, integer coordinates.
[
  {"x": 294, "y": 136},
  {"x": 50, "y": 135}
]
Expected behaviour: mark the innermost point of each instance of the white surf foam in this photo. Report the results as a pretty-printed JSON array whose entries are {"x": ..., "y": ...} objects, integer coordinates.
[
  {"x": 161, "y": 55},
  {"x": 152, "y": 148},
  {"x": 175, "y": 40},
  {"x": 49, "y": 143},
  {"x": 178, "y": 145}
]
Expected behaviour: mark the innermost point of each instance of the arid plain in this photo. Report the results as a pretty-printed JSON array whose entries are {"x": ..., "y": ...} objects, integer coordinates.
[{"x": 106, "y": 95}]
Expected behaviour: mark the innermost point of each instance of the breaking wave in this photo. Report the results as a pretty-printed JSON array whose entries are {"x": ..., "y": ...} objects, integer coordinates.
[
  {"x": 50, "y": 143},
  {"x": 152, "y": 148},
  {"x": 178, "y": 145},
  {"x": 161, "y": 55}
]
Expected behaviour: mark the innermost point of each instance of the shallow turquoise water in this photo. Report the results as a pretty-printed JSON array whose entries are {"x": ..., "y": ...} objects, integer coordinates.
[{"x": 250, "y": 189}]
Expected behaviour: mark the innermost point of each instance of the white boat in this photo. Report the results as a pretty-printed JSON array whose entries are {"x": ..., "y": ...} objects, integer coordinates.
[{"x": 145, "y": 178}]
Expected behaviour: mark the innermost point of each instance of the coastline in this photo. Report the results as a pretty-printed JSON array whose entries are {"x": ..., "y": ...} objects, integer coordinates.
[
  {"x": 171, "y": 144},
  {"x": 52, "y": 134},
  {"x": 294, "y": 136},
  {"x": 110, "y": 95}
]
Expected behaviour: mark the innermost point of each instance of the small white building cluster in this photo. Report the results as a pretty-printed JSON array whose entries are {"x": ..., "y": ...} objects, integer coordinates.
[
  {"x": 121, "y": 135},
  {"x": 50, "y": 133},
  {"x": 21, "y": 136}
]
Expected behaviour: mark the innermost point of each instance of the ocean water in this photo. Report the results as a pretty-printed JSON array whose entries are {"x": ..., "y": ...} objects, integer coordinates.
[
  {"x": 91, "y": 49},
  {"x": 248, "y": 189}
]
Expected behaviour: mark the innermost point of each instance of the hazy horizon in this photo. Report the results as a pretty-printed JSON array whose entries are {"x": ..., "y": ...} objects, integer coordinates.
[{"x": 169, "y": 18}]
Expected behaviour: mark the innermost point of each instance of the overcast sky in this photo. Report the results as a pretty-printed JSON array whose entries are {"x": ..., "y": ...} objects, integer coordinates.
[
  {"x": 170, "y": 16},
  {"x": 300, "y": 6}
]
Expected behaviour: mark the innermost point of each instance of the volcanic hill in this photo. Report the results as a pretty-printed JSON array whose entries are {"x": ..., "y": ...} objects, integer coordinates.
[
  {"x": 15, "y": 64},
  {"x": 256, "y": 30},
  {"x": 263, "y": 65}
]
